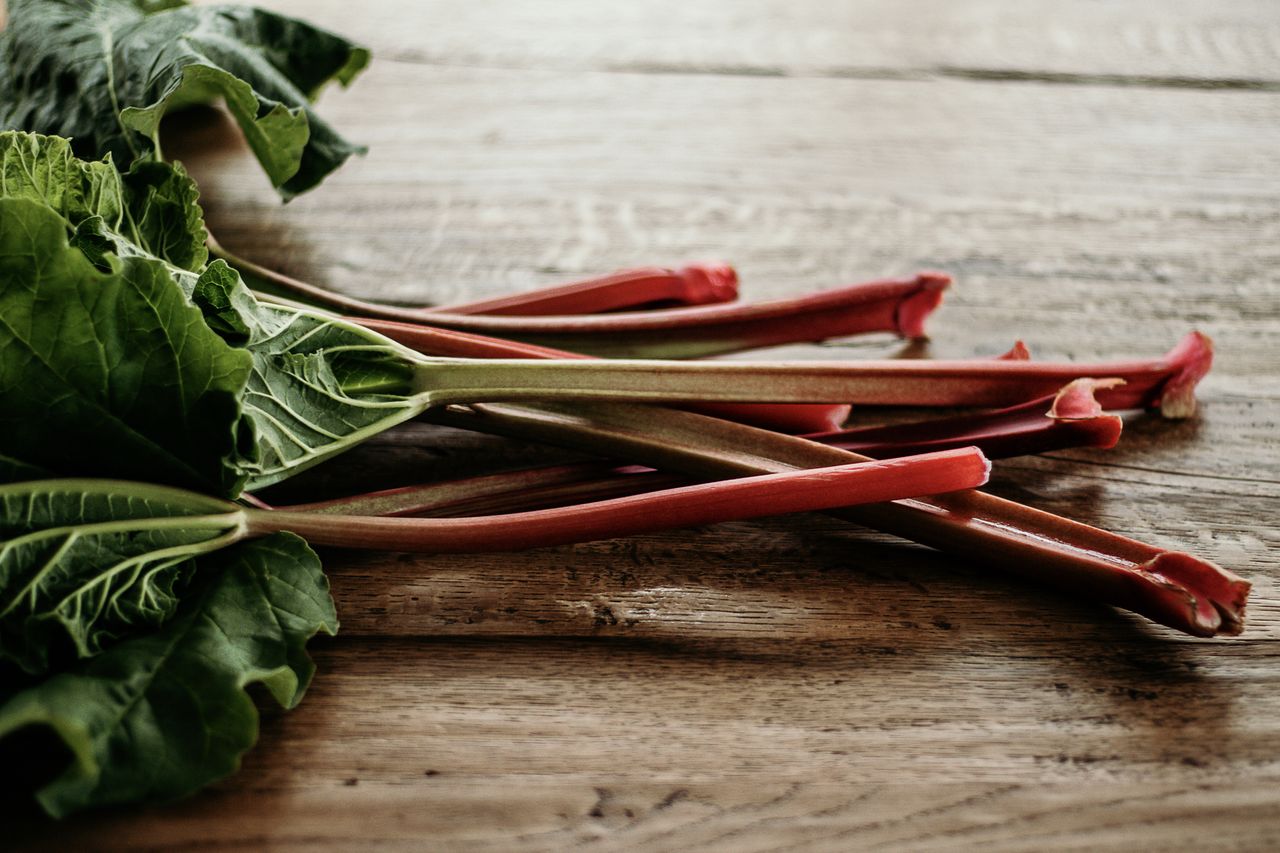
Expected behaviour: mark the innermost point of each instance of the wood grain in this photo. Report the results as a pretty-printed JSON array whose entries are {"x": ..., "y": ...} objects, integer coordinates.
[
  {"x": 1231, "y": 44},
  {"x": 793, "y": 683}
]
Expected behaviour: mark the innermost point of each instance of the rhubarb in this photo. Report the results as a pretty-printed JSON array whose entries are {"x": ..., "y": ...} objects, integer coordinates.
[
  {"x": 492, "y": 494},
  {"x": 122, "y": 350},
  {"x": 1167, "y": 382},
  {"x": 1169, "y": 587},
  {"x": 85, "y": 562},
  {"x": 696, "y": 284},
  {"x": 1073, "y": 418},
  {"x": 428, "y": 340},
  {"x": 706, "y": 503},
  {"x": 890, "y": 305}
]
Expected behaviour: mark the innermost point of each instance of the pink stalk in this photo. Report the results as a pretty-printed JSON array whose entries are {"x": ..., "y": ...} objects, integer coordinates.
[
  {"x": 1071, "y": 419},
  {"x": 696, "y": 284},
  {"x": 507, "y": 491},
  {"x": 1168, "y": 382},
  {"x": 706, "y": 503},
  {"x": 787, "y": 417},
  {"x": 1167, "y": 586},
  {"x": 889, "y": 305}
]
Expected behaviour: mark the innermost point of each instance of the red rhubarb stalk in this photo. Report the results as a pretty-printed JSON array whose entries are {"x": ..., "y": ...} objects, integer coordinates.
[
  {"x": 696, "y": 284},
  {"x": 705, "y": 503},
  {"x": 1170, "y": 587},
  {"x": 787, "y": 417},
  {"x": 1167, "y": 382},
  {"x": 490, "y": 494},
  {"x": 889, "y": 305},
  {"x": 1071, "y": 419}
]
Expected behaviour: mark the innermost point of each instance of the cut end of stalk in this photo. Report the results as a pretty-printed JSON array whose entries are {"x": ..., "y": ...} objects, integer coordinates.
[
  {"x": 1078, "y": 401},
  {"x": 986, "y": 467},
  {"x": 915, "y": 309},
  {"x": 1018, "y": 352},
  {"x": 1213, "y": 598},
  {"x": 1193, "y": 356},
  {"x": 710, "y": 283}
]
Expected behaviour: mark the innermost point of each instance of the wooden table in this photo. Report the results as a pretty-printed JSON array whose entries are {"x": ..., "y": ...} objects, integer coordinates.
[{"x": 1099, "y": 177}]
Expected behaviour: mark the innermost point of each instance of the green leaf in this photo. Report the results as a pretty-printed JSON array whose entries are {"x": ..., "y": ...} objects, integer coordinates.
[
  {"x": 227, "y": 305},
  {"x": 163, "y": 214},
  {"x": 319, "y": 386},
  {"x": 158, "y": 716},
  {"x": 43, "y": 169},
  {"x": 84, "y": 563},
  {"x": 112, "y": 373},
  {"x": 151, "y": 211},
  {"x": 104, "y": 72},
  {"x": 315, "y": 385}
]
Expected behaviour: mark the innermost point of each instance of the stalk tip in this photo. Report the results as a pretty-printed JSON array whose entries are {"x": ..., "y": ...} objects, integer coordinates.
[
  {"x": 1077, "y": 400},
  {"x": 915, "y": 308},
  {"x": 1017, "y": 352},
  {"x": 718, "y": 281},
  {"x": 1216, "y": 598},
  {"x": 1193, "y": 356}
]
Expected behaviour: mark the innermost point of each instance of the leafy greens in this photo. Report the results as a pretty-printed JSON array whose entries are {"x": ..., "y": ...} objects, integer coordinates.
[
  {"x": 109, "y": 372},
  {"x": 122, "y": 350},
  {"x": 81, "y": 567},
  {"x": 159, "y": 715},
  {"x": 155, "y": 360},
  {"x": 105, "y": 72}
]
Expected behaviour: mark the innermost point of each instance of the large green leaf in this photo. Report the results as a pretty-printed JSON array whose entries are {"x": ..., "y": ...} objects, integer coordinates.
[
  {"x": 317, "y": 385},
  {"x": 104, "y": 72},
  {"x": 84, "y": 563},
  {"x": 158, "y": 716},
  {"x": 111, "y": 373}
]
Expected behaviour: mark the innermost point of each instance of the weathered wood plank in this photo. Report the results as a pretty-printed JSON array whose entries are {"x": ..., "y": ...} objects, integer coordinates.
[
  {"x": 746, "y": 815},
  {"x": 540, "y": 745},
  {"x": 484, "y": 180},
  {"x": 1168, "y": 42}
]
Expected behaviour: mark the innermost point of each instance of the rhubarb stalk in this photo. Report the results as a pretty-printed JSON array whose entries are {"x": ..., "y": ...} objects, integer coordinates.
[
  {"x": 1167, "y": 382},
  {"x": 492, "y": 494},
  {"x": 696, "y": 284},
  {"x": 705, "y": 503},
  {"x": 889, "y": 305},
  {"x": 1073, "y": 418},
  {"x": 309, "y": 360},
  {"x": 427, "y": 340},
  {"x": 1169, "y": 587}
]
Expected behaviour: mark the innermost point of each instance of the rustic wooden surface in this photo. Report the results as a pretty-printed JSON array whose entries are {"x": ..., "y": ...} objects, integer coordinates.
[{"x": 1100, "y": 177}]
